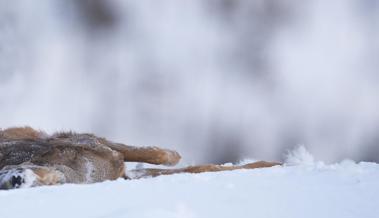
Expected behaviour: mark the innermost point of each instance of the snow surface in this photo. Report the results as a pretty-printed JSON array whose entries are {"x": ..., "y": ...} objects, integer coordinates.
[{"x": 308, "y": 189}]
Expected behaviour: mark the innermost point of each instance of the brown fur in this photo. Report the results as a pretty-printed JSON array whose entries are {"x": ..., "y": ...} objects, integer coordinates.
[
  {"x": 21, "y": 133},
  {"x": 83, "y": 158},
  {"x": 150, "y": 172}
]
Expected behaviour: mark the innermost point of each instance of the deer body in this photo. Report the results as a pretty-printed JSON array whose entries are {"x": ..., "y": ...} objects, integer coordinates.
[{"x": 32, "y": 158}]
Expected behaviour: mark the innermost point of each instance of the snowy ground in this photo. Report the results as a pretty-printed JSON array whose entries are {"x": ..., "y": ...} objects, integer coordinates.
[{"x": 308, "y": 189}]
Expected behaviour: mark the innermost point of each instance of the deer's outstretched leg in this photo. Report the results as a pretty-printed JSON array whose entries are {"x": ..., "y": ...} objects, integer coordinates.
[
  {"x": 151, "y": 154},
  {"x": 151, "y": 172}
]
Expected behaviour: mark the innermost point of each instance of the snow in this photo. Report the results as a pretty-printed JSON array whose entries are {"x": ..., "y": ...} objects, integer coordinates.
[{"x": 305, "y": 189}]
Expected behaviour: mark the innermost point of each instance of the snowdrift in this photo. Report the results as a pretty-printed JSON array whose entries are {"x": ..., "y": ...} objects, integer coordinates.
[{"x": 301, "y": 188}]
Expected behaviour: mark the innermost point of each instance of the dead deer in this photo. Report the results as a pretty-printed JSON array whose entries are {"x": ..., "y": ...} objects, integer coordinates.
[{"x": 30, "y": 158}]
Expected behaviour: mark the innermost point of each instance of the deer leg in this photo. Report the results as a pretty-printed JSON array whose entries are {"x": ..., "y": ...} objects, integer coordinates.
[
  {"x": 151, "y": 154},
  {"x": 152, "y": 172}
]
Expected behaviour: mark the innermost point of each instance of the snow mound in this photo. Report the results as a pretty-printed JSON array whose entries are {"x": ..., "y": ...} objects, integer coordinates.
[
  {"x": 298, "y": 189},
  {"x": 299, "y": 156}
]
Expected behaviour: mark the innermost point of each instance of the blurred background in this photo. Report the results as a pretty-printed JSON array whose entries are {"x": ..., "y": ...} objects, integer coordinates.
[{"x": 218, "y": 80}]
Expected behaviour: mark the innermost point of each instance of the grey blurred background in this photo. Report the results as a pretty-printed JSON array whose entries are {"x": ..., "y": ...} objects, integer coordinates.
[{"x": 218, "y": 80}]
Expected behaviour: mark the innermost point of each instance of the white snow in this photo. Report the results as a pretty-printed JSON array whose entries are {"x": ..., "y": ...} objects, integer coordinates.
[
  {"x": 299, "y": 156},
  {"x": 306, "y": 190}
]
